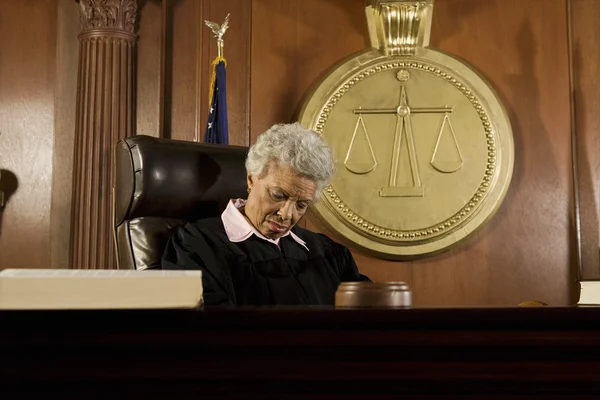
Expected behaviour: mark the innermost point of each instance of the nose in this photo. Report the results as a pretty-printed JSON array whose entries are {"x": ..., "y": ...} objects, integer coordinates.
[{"x": 285, "y": 212}]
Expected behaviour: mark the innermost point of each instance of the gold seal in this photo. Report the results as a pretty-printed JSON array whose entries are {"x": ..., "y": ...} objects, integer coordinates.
[{"x": 424, "y": 146}]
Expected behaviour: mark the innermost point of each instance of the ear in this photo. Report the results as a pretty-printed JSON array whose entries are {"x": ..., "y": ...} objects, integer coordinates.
[{"x": 249, "y": 181}]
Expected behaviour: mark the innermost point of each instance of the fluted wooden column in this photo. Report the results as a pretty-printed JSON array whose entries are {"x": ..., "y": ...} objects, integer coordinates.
[{"x": 105, "y": 114}]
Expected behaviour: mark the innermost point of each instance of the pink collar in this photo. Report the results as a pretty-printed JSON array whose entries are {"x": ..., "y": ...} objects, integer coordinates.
[{"x": 239, "y": 229}]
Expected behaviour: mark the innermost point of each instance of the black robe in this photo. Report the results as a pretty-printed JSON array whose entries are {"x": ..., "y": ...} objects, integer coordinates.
[{"x": 257, "y": 272}]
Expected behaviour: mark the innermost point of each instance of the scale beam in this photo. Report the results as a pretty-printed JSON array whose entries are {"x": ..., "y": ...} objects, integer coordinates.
[{"x": 439, "y": 110}]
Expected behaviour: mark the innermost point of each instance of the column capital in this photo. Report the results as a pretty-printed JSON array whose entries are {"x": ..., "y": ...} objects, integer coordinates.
[{"x": 108, "y": 14}]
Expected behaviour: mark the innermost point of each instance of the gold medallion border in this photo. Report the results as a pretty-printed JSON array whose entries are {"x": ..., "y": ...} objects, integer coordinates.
[{"x": 356, "y": 221}]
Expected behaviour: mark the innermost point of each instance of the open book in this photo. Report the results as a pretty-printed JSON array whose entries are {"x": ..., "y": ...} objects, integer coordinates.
[{"x": 54, "y": 289}]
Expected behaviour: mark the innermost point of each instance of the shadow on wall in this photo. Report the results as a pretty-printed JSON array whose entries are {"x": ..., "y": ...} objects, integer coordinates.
[
  {"x": 8, "y": 187},
  {"x": 530, "y": 128},
  {"x": 451, "y": 19},
  {"x": 522, "y": 92}
]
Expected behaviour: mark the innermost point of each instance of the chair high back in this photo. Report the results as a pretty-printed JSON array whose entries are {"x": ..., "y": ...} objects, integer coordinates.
[{"x": 160, "y": 184}]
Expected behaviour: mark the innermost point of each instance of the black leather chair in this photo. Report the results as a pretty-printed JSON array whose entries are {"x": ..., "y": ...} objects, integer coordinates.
[{"x": 160, "y": 184}]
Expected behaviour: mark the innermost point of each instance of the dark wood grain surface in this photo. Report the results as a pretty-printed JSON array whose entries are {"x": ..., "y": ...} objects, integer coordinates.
[
  {"x": 27, "y": 84},
  {"x": 303, "y": 352}
]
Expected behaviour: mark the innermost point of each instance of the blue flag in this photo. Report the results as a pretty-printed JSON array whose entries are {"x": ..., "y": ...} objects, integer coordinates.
[{"x": 216, "y": 127}]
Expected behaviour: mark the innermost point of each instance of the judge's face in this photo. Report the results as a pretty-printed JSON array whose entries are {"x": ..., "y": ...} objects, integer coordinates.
[{"x": 278, "y": 200}]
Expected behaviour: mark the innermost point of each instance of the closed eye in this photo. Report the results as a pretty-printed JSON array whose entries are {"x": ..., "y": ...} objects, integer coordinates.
[{"x": 277, "y": 196}]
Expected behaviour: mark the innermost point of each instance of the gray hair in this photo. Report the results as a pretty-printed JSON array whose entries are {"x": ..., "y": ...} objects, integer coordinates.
[{"x": 303, "y": 150}]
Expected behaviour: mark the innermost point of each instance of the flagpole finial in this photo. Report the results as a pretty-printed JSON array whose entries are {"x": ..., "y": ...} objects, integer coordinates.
[{"x": 219, "y": 31}]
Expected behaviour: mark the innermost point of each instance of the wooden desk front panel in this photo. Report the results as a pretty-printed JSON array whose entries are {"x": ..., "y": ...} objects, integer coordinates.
[{"x": 313, "y": 353}]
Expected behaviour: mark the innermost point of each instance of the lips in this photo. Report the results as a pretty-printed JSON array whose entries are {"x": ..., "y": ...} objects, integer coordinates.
[{"x": 275, "y": 227}]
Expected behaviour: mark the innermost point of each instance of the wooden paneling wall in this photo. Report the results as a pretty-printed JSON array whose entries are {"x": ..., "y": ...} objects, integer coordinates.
[
  {"x": 277, "y": 49},
  {"x": 586, "y": 101},
  {"x": 27, "y": 86},
  {"x": 65, "y": 92},
  {"x": 38, "y": 79},
  {"x": 188, "y": 51},
  {"x": 148, "y": 73},
  {"x": 521, "y": 47},
  {"x": 237, "y": 54},
  {"x": 293, "y": 44}
]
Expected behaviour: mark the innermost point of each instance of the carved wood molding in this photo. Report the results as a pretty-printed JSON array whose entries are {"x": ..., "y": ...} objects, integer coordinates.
[{"x": 108, "y": 14}]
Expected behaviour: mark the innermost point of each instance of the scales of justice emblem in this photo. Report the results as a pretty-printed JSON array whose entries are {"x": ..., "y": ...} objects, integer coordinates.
[
  {"x": 424, "y": 146},
  {"x": 402, "y": 131}
]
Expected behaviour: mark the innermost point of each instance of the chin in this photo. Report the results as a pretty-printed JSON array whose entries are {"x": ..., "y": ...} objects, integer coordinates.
[{"x": 276, "y": 235}]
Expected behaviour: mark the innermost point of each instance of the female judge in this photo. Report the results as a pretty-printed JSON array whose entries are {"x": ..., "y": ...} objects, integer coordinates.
[{"x": 255, "y": 254}]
